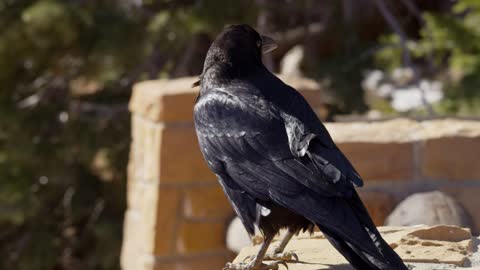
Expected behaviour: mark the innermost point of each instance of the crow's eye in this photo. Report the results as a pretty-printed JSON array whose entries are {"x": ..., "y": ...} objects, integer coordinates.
[{"x": 259, "y": 43}]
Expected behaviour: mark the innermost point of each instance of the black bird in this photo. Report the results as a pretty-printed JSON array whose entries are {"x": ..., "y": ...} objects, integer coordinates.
[{"x": 275, "y": 160}]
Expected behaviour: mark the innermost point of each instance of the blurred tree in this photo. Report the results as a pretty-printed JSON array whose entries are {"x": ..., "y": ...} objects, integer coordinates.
[
  {"x": 62, "y": 78},
  {"x": 66, "y": 70},
  {"x": 447, "y": 49}
]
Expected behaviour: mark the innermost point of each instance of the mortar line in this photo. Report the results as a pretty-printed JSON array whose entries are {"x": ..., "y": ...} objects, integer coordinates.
[{"x": 417, "y": 160}]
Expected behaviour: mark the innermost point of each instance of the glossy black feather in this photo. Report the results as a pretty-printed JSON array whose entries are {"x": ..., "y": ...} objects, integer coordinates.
[{"x": 269, "y": 149}]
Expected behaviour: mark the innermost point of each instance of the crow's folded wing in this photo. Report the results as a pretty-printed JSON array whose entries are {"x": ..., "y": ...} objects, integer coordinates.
[
  {"x": 243, "y": 204},
  {"x": 308, "y": 136},
  {"x": 250, "y": 140},
  {"x": 249, "y": 131}
]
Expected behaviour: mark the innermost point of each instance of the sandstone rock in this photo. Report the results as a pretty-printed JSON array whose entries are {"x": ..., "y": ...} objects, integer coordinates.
[
  {"x": 443, "y": 233},
  {"x": 421, "y": 247},
  {"x": 449, "y": 128},
  {"x": 429, "y": 208},
  {"x": 403, "y": 130},
  {"x": 209, "y": 262},
  {"x": 438, "y": 244},
  {"x": 164, "y": 100}
]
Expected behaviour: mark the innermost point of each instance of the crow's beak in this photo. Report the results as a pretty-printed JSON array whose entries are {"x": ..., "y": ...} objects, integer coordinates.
[{"x": 268, "y": 44}]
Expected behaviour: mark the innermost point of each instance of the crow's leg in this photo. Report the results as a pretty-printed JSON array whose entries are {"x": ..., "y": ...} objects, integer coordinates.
[
  {"x": 288, "y": 236},
  {"x": 278, "y": 253},
  {"x": 256, "y": 263}
]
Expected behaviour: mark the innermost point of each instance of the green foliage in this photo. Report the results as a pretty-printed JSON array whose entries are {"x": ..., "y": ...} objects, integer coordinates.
[
  {"x": 43, "y": 48},
  {"x": 66, "y": 70},
  {"x": 342, "y": 81},
  {"x": 450, "y": 43}
]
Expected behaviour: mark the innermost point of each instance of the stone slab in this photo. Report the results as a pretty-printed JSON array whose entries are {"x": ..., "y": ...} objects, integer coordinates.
[{"x": 444, "y": 245}]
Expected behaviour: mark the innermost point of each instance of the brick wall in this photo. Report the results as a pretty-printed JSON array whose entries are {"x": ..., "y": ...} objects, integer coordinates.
[
  {"x": 401, "y": 157},
  {"x": 177, "y": 214}
]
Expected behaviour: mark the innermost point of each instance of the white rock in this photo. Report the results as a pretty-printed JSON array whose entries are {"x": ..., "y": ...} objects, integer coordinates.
[
  {"x": 429, "y": 208},
  {"x": 237, "y": 236}
]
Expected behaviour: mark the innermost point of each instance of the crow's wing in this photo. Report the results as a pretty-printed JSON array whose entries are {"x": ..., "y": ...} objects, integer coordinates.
[
  {"x": 253, "y": 141},
  {"x": 218, "y": 142},
  {"x": 249, "y": 131},
  {"x": 308, "y": 136},
  {"x": 243, "y": 204}
]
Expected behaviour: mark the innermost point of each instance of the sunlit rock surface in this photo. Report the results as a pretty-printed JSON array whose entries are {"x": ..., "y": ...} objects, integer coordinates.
[{"x": 421, "y": 247}]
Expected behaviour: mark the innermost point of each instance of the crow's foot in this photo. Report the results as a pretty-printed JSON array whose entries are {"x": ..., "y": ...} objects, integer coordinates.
[
  {"x": 278, "y": 256},
  {"x": 251, "y": 266},
  {"x": 283, "y": 256}
]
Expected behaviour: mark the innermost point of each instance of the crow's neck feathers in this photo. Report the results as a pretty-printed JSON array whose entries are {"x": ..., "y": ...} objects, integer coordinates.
[{"x": 222, "y": 67}]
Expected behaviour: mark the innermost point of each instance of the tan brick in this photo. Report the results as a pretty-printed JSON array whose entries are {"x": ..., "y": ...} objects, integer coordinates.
[
  {"x": 206, "y": 202},
  {"x": 181, "y": 159},
  {"x": 164, "y": 100},
  {"x": 167, "y": 213},
  {"x": 197, "y": 237},
  {"x": 380, "y": 161},
  {"x": 453, "y": 158},
  {"x": 150, "y": 224},
  {"x": 145, "y": 149},
  {"x": 173, "y": 100},
  {"x": 142, "y": 197},
  {"x": 378, "y": 204},
  {"x": 468, "y": 197},
  {"x": 166, "y": 154},
  {"x": 136, "y": 240},
  {"x": 393, "y": 131},
  {"x": 202, "y": 263},
  {"x": 151, "y": 218},
  {"x": 374, "y": 161}
]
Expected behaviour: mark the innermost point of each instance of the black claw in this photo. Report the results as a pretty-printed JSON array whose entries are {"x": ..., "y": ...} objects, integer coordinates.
[
  {"x": 295, "y": 256},
  {"x": 284, "y": 263}
]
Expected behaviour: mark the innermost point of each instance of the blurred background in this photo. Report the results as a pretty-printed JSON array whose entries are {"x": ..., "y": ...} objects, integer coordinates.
[{"x": 67, "y": 68}]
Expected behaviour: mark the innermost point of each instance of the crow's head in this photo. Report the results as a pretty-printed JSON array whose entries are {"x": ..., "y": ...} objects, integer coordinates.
[{"x": 239, "y": 46}]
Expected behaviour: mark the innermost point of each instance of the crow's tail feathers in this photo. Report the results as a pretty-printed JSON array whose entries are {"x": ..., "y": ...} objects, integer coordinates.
[{"x": 384, "y": 259}]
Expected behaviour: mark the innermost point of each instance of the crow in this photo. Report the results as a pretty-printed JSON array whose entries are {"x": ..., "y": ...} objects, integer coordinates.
[{"x": 275, "y": 160}]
